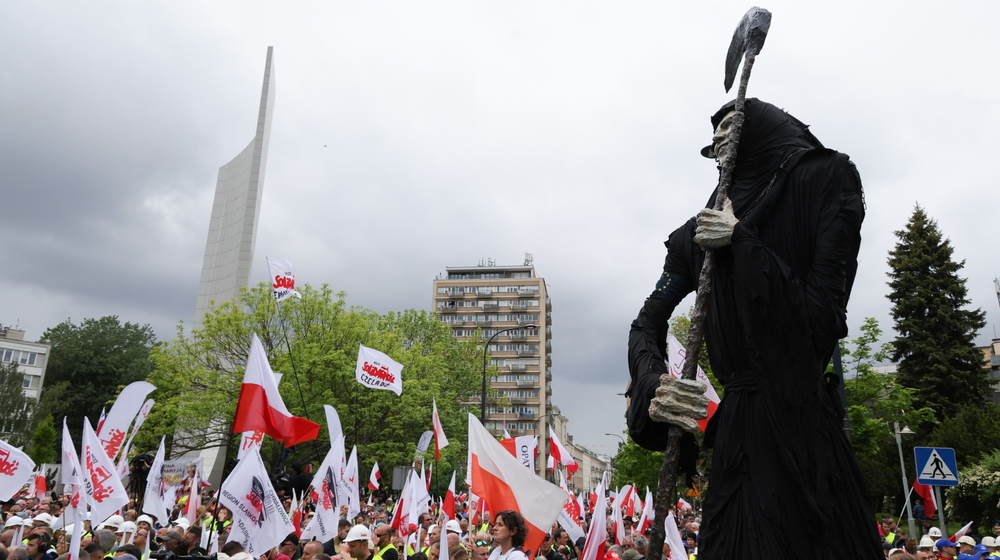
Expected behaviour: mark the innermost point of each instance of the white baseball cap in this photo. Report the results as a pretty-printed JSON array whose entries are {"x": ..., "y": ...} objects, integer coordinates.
[{"x": 358, "y": 533}]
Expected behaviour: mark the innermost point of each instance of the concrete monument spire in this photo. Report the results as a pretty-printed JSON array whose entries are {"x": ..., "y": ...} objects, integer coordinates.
[{"x": 232, "y": 232}]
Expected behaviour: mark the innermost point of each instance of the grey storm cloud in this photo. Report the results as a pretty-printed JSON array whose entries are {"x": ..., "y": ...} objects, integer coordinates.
[{"x": 411, "y": 136}]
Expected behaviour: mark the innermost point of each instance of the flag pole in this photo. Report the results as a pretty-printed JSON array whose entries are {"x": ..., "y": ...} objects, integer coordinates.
[{"x": 295, "y": 373}]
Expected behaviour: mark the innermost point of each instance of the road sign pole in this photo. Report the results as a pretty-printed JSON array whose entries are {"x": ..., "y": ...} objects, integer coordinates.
[{"x": 940, "y": 507}]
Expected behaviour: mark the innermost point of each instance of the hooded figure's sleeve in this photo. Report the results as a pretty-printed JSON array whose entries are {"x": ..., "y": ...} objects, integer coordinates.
[{"x": 647, "y": 341}]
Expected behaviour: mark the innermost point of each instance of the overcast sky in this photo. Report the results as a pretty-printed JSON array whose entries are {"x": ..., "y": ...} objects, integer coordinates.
[{"x": 410, "y": 136}]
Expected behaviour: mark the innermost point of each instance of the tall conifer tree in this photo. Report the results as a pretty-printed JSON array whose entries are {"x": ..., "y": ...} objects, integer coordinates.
[{"x": 934, "y": 346}]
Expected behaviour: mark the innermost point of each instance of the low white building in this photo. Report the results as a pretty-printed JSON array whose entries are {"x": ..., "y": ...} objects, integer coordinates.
[{"x": 31, "y": 359}]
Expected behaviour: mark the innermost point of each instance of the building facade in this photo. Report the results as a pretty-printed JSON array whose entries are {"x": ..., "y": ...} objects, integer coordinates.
[
  {"x": 232, "y": 231},
  {"x": 31, "y": 359},
  {"x": 590, "y": 466},
  {"x": 508, "y": 306},
  {"x": 991, "y": 361}
]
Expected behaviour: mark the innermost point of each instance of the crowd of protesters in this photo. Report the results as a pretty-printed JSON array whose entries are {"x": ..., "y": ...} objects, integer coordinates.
[{"x": 33, "y": 530}]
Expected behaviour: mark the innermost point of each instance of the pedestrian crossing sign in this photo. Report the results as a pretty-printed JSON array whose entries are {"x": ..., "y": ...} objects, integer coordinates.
[{"x": 936, "y": 466}]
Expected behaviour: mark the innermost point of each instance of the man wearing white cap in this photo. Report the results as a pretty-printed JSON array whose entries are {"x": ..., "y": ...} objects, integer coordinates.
[
  {"x": 925, "y": 550},
  {"x": 356, "y": 543}
]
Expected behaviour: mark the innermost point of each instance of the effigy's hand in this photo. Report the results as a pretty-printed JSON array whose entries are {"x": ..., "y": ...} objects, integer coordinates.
[
  {"x": 715, "y": 227},
  {"x": 681, "y": 402}
]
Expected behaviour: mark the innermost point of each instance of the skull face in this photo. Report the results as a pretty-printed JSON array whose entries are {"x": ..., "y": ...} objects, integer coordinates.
[{"x": 720, "y": 139}]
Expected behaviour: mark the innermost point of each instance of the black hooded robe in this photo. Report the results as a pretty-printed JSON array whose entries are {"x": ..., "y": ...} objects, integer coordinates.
[{"x": 784, "y": 482}]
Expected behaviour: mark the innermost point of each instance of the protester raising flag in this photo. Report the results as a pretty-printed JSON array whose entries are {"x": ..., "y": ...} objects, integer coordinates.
[
  {"x": 104, "y": 489},
  {"x": 373, "y": 478},
  {"x": 15, "y": 470},
  {"x": 282, "y": 280},
  {"x": 260, "y": 406},
  {"x": 558, "y": 454},
  {"x": 378, "y": 371},
  {"x": 440, "y": 441},
  {"x": 114, "y": 428},
  {"x": 259, "y": 520},
  {"x": 506, "y": 485}
]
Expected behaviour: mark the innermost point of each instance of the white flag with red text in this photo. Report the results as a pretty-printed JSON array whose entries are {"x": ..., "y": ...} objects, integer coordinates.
[
  {"x": 282, "y": 279},
  {"x": 506, "y": 485},
  {"x": 114, "y": 428},
  {"x": 123, "y": 456},
  {"x": 15, "y": 470},
  {"x": 324, "y": 483},
  {"x": 259, "y": 520},
  {"x": 105, "y": 492},
  {"x": 378, "y": 371}
]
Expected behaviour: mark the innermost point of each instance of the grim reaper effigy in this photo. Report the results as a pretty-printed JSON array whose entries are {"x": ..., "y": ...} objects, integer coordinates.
[{"x": 783, "y": 481}]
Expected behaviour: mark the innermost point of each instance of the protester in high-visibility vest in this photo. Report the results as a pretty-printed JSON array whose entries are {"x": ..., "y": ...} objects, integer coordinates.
[{"x": 383, "y": 543}]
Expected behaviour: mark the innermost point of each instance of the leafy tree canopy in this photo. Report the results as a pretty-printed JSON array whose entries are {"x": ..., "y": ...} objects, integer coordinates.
[
  {"x": 43, "y": 442},
  {"x": 977, "y": 495},
  {"x": 198, "y": 377},
  {"x": 935, "y": 333},
  {"x": 89, "y": 364}
]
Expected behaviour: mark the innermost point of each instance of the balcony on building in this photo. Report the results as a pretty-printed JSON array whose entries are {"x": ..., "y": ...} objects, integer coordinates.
[
  {"x": 518, "y": 368},
  {"x": 448, "y": 307},
  {"x": 484, "y": 293},
  {"x": 491, "y": 307},
  {"x": 526, "y": 353}
]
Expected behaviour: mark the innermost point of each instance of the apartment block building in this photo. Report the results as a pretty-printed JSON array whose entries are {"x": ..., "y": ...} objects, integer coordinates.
[
  {"x": 509, "y": 307},
  {"x": 31, "y": 359}
]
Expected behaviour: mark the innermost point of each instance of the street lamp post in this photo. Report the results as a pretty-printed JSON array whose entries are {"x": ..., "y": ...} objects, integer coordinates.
[
  {"x": 902, "y": 470},
  {"x": 619, "y": 436},
  {"x": 486, "y": 349}
]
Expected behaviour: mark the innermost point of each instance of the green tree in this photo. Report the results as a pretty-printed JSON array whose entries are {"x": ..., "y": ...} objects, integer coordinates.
[
  {"x": 89, "y": 364},
  {"x": 43, "y": 442},
  {"x": 876, "y": 402},
  {"x": 973, "y": 433},
  {"x": 18, "y": 410},
  {"x": 934, "y": 346},
  {"x": 199, "y": 375},
  {"x": 977, "y": 496},
  {"x": 638, "y": 466}
]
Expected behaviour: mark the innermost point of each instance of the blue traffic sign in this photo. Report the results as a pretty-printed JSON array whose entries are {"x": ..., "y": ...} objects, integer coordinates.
[{"x": 936, "y": 466}]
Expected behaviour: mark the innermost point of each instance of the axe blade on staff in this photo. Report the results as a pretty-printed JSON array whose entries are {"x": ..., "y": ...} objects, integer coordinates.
[{"x": 748, "y": 39}]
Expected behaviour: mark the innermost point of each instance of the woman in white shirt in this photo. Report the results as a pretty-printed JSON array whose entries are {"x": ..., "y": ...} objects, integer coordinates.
[{"x": 509, "y": 532}]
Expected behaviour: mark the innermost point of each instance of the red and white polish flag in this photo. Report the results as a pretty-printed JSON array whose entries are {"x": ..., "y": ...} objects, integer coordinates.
[
  {"x": 260, "y": 406},
  {"x": 282, "y": 279},
  {"x": 676, "y": 356},
  {"x": 105, "y": 492},
  {"x": 440, "y": 440},
  {"x": 646, "y": 521},
  {"x": 448, "y": 504},
  {"x": 558, "y": 454},
  {"x": 373, "y": 478},
  {"x": 503, "y": 481},
  {"x": 597, "y": 534}
]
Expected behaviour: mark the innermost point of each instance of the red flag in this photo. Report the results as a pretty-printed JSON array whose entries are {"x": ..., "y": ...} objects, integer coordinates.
[
  {"x": 260, "y": 406},
  {"x": 373, "y": 479},
  {"x": 440, "y": 441},
  {"x": 927, "y": 494},
  {"x": 506, "y": 485}
]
